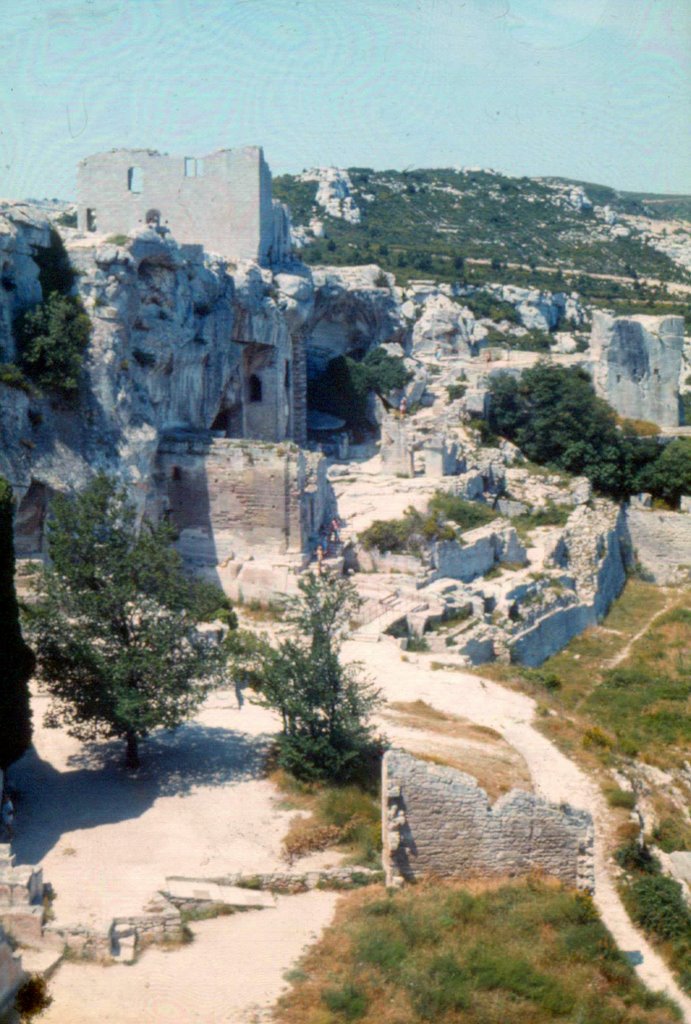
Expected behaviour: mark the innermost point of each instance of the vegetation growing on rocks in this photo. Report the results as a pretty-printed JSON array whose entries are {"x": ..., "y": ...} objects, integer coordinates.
[
  {"x": 399, "y": 229},
  {"x": 409, "y": 534},
  {"x": 554, "y": 416},
  {"x": 51, "y": 340}
]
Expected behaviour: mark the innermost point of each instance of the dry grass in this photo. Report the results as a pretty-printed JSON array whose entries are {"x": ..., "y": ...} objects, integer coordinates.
[
  {"x": 345, "y": 818},
  {"x": 619, "y": 693},
  {"x": 526, "y": 952},
  {"x": 458, "y": 743}
]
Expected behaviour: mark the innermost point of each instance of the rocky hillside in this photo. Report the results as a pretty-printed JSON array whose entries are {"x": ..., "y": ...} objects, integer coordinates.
[{"x": 478, "y": 224}]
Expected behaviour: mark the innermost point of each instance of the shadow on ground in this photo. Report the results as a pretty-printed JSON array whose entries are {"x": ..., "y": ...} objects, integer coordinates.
[{"x": 100, "y": 791}]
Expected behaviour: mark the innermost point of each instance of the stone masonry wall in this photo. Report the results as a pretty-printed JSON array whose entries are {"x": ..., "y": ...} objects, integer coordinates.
[
  {"x": 222, "y": 201},
  {"x": 662, "y": 543},
  {"x": 437, "y": 821}
]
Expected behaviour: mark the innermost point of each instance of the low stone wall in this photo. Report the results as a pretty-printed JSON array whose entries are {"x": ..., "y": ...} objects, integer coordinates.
[
  {"x": 662, "y": 543},
  {"x": 438, "y": 821},
  {"x": 21, "y": 895},
  {"x": 480, "y": 551},
  {"x": 11, "y": 974}
]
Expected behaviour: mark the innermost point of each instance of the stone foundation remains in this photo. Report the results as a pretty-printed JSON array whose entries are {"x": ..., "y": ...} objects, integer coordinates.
[
  {"x": 21, "y": 896},
  {"x": 437, "y": 821}
]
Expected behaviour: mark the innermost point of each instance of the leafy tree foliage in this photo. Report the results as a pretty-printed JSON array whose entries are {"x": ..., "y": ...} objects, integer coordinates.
[
  {"x": 345, "y": 385},
  {"x": 324, "y": 705},
  {"x": 52, "y": 339},
  {"x": 115, "y": 625},
  {"x": 17, "y": 659},
  {"x": 669, "y": 476},
  {"x": 553, "y": 414}
]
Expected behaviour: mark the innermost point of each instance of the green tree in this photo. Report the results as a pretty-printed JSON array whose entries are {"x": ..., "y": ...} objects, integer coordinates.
[
  {"x": 17, "y": 658},
  {"x": 343, "y": 388},
  {"x": 115, "y": 626},
  {"x": 553, "y": 414},
  {"x": 324, "y": 705},
  {"x": 51, "y": 340},
  {"x": 670, "y": 475}
]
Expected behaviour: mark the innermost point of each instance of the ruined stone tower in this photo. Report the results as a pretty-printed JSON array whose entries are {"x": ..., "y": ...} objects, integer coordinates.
[{"x": 221, "y": 201}]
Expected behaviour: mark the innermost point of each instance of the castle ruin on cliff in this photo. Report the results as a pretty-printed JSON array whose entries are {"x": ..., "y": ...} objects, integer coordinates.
[{"x": 221, "y": 202}]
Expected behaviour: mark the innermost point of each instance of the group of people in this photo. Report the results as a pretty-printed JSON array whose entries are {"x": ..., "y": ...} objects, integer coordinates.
[{"x": 330, "y": 536}]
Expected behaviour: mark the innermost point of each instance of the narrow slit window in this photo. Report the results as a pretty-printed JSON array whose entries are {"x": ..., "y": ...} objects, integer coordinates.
[
  {"x": 135, "y": 179},
  {"x": 190, "y": 167}
]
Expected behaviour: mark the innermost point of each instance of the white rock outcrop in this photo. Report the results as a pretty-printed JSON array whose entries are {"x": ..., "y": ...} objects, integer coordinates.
[
  {"x": 334, "y": 192},
  {"x": 636, "y": 365}
]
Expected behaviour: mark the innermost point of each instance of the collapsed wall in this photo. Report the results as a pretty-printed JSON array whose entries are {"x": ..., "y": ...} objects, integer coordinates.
[
  {"x": 438, "y": 821},
  {"x": 637, "y": 364}
]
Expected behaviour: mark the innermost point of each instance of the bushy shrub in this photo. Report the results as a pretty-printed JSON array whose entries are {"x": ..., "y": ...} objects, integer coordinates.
[
  {"x": 466, "y": 514},
  {"x": 32, "y": 998},
  {"x": 636, "y": 856},
  {"x": 12, "y": 376},
  {"x": 51, "y": 340},
  {"x": 554, "y": 416},
  {"x": 658, "y": 906}
]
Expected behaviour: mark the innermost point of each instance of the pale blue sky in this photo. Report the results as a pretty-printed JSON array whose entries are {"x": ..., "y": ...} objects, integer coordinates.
[{"x": 592, "y": 89}]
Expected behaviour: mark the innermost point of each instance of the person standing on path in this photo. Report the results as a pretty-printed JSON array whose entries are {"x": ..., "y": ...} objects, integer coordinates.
[{"x": 7, "y": 817}]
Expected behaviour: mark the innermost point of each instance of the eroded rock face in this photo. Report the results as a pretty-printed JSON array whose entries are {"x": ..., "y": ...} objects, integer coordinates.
[
  {"x": 637, "y": 363},
  {"x": 22, "y": 229},
  {"x": 446, "y": 327},
  {"x": 355, "y": 308},
  {"x": 334, "y": 192},
  {"x": 184, "y": 348}
]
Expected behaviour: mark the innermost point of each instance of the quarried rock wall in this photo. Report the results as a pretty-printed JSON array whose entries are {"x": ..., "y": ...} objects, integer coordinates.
[
  {"x": 637, "y": 364},
  {"x": 437, "y": 821},
  {"x": 661, "y": 543}
]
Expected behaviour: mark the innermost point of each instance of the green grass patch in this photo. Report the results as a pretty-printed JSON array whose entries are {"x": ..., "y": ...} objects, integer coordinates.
[{"x": 524, "y": 953}]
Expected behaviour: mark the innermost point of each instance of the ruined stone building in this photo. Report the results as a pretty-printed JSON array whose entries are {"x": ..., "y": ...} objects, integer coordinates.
[{"x": 221, "y": 202}]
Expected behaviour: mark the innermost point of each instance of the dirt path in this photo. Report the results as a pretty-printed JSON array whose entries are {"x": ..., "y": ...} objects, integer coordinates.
[
  {"x": 231, "y": 974},
  {"x": 626, "y": 649},
  {"x": 554, "y": 776},
  {"x": 200, "y": 807}
]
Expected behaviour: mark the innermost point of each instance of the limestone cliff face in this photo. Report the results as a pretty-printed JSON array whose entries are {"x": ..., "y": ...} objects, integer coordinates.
[
  {"x": 637, "y": 364},
  {"x": 21, "y": 231},
  {"x": 181, "y": 342},
  {"x": 355, "y": 308}
]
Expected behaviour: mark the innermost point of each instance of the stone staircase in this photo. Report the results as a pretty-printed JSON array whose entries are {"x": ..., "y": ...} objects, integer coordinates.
[{"x": 377, "y": 614}]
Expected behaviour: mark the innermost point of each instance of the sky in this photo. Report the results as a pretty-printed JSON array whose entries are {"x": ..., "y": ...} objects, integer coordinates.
[{"x": 597, "y": 90}]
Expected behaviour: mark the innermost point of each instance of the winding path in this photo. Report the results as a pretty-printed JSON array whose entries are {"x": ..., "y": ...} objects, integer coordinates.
[{"x": 554, "y": 776}]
